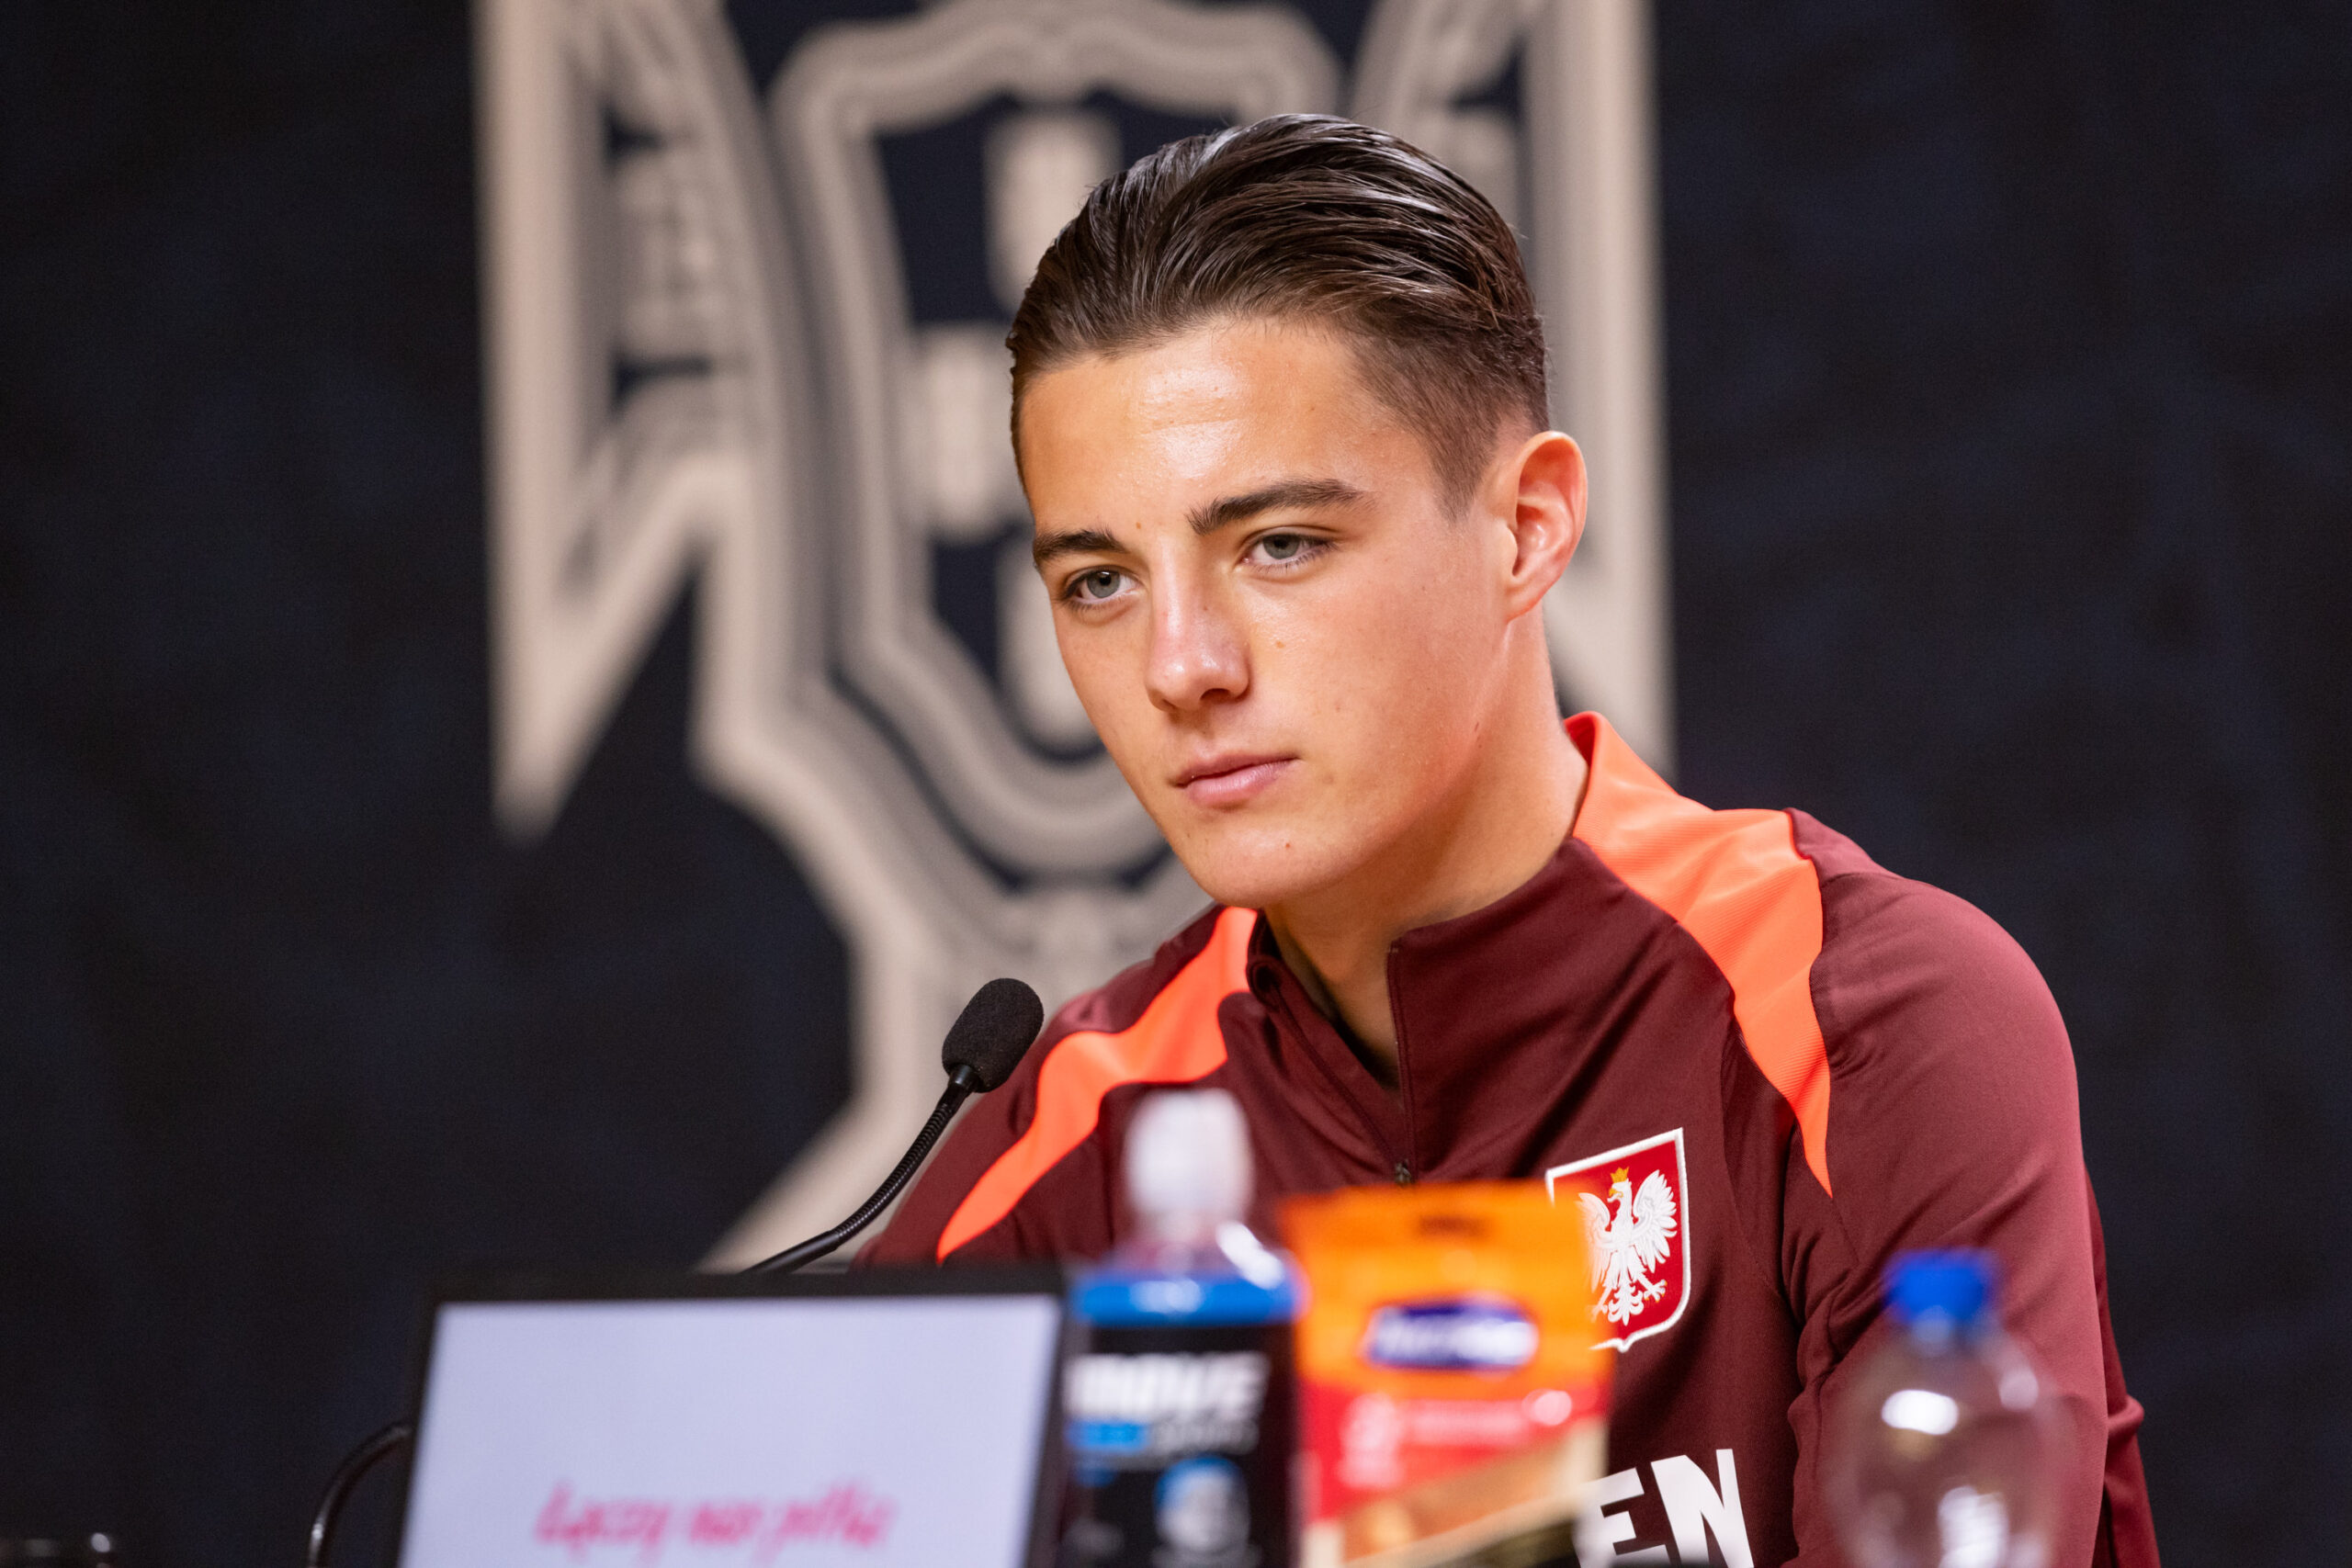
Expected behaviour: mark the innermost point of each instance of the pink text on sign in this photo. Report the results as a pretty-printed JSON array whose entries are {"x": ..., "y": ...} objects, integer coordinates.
[{"x": 843, "y": 1514}]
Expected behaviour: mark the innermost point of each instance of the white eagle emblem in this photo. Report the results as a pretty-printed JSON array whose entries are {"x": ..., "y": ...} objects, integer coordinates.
[{"x": 1626, "y": 1246}]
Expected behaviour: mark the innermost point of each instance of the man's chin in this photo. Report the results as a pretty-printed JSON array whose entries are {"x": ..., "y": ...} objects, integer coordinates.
[{"x": 1259, "y": 871}]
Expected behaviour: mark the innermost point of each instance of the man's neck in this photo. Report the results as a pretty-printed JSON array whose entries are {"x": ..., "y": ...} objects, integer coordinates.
[{"x": 1504, "y": 827}]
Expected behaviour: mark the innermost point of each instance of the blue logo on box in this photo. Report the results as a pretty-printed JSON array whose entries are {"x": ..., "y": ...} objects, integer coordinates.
[{"x": 1473, "y": 1334}]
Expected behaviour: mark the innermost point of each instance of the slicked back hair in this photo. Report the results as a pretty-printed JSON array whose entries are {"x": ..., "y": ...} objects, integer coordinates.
[{"x": 1307, "y": 219}]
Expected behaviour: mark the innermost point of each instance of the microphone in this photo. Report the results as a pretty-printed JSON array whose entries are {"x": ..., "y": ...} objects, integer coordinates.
[{"x": 990, "y": 1037}]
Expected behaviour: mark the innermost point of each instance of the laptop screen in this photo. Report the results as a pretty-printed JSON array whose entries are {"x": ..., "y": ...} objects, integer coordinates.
[{"x": 734, "y": 1432}]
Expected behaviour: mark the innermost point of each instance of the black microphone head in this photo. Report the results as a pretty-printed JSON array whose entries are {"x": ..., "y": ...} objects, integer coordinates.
[{"x": 994, "y": 1031}]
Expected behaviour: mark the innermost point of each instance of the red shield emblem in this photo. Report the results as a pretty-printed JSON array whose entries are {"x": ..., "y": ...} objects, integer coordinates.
[{"x": 1636, "y": 1205}]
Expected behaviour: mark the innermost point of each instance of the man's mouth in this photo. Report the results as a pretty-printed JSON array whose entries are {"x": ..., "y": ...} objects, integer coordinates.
[{"x": 1232, "y": 778}]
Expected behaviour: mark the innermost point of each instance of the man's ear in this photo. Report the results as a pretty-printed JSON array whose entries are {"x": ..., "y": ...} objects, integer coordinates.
[{"x": 1544, "y": 486}]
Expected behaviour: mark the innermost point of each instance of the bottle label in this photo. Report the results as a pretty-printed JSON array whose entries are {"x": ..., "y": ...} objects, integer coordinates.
[
  {"x": 1151, "y": 1405},
  {"x": 1180, "y": 1441},
  {"x": 1484, "y": 1333}
]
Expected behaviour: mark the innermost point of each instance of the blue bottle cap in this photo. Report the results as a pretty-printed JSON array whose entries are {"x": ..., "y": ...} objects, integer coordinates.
[
  {"x": 1133, "y": 1297},
  {"x": 1956, "y": 1287}
]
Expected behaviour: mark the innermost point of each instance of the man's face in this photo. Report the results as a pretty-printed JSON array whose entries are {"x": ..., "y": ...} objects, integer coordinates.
[{"x": 1288, "y": 641}]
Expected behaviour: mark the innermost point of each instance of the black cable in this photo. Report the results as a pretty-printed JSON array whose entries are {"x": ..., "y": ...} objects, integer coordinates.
[
  {"x": 960, "y": 1085},
  {"x": 356, "y": 1463}
]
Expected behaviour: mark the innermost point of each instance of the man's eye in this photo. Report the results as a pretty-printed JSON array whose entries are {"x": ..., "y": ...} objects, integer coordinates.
[
  {"x": 1283, "y": 547},
  {"x": 1096, "y": 585}
]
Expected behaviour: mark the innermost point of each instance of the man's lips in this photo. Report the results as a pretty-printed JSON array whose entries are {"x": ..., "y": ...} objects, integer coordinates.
[{"x": 1229, "y": 779}]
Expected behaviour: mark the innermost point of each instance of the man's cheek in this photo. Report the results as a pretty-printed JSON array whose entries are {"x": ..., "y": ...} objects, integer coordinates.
[
  {"x": 1136, "y": 734},
  {"x": 1097, "y": 674}
]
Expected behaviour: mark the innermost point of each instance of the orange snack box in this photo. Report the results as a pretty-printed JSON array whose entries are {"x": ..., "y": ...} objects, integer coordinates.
[{"x": 1453, "y": 1404}]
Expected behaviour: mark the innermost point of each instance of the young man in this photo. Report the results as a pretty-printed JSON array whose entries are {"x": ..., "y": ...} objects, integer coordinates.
[{"x": 1280, "y": 409}]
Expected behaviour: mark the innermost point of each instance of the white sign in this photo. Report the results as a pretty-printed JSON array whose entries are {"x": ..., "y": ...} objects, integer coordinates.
[{"x": 732, "y": 1434}]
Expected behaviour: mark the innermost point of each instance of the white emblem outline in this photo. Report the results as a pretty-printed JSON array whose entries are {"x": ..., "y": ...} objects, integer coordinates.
[
  {"x": 605, "y": 507},
  {"x": 844, "y": 89},
  {"x": 1553, "y": 1178}
]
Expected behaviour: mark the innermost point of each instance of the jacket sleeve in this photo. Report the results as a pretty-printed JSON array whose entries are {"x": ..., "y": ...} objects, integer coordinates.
[{"x": 1952, "y": 1123}]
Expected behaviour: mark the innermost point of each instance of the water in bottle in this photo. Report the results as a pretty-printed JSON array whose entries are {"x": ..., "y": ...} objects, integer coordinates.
[
  {"x": 1181, "y": 1409},
  {"x": 1940, "y": 1450}
]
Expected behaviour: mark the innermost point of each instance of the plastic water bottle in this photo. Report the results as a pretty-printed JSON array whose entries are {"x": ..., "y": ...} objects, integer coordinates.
[
  {"x": 1941, "y": 1452},
  {"x": 1182, "y": 1410}
]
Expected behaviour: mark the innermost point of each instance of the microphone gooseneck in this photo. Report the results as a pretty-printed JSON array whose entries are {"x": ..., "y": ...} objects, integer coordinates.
[
  {"x": 990, "y": 1037},
  {"x": 378, "y": 1446}
]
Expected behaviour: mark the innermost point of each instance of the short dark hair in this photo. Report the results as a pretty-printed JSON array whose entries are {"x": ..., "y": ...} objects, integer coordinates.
[{"x": 1305, "y": 216}]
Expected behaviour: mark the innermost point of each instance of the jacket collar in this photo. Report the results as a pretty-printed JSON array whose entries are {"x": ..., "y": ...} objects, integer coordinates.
[{"x": 1480, "y": 1003}]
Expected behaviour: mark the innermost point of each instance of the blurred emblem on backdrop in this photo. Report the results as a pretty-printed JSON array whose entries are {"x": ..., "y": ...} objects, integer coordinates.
[{"x": 749, "y": 332}]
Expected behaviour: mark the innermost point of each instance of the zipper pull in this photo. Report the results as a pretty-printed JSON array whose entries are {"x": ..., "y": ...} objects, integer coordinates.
[{"x": 1404, "y": 1174}]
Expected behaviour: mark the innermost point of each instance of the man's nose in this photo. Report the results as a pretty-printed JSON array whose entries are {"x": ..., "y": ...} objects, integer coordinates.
[{"x": 1199, "y": 656}]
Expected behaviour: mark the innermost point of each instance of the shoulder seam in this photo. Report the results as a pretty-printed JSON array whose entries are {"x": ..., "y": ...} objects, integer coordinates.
[{"x": 1739, "y": 884}]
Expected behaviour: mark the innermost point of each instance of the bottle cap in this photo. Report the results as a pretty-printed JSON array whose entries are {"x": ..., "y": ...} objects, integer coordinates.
[
  {"x": 1954, "y": 1288},
  {"x": 1188, "y": 1158}
]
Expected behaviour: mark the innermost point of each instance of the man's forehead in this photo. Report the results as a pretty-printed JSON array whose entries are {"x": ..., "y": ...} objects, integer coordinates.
[
  {"x": 1223, "y": 411},
  {"x": 1204, "y": 376},
  {"x": 1195, "y": 377}
]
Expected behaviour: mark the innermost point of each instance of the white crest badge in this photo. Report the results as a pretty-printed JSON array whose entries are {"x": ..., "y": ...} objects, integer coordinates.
[
  {"x": 726, "y": 346},
  {"x": 1634, "y": 1202}
]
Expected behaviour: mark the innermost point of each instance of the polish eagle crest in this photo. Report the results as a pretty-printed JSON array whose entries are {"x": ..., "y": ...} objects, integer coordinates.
[{"x": 1626, "y": 1245}]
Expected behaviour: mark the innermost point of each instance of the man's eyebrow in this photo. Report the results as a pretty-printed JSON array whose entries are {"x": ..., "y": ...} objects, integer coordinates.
[
  {"x": 1232, "y": 509},
  {"x": 1206, "y": 519},
  {"x": 1082, "y": 541}
]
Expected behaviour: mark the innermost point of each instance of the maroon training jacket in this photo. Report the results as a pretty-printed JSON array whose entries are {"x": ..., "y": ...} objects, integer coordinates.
[{"x": 1823, "y": 1062}]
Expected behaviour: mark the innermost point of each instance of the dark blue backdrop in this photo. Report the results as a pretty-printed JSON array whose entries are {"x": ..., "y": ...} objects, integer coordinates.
[{"x": 2011, "y": 446}]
